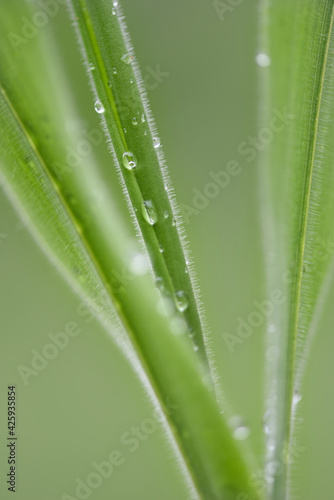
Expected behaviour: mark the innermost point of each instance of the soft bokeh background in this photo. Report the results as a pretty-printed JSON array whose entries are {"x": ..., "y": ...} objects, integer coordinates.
[{"x": 77, "y": 409}]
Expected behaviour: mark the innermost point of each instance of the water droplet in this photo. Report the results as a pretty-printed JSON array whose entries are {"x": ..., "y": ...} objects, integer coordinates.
[
  {"x": 166, "y": 215},
  {"x": 114, "y": 71},
  {"x": 173, "y": 222},
  {"x": 241, "y": 433},
  {"x": 149, "y": 212},
  {"x": 115, "y": 3},
  {"x": 296, "y": 397},
  {"x": 240, "y": 430},
  {"x": 127, "y": 58},
  {"x": 145, "y": 133},
  {"x": 131, "y": 80},
  {"x": 263, "y": 60},
  {"x": 161, "y": 248},
  {"x": 113, "y": 11},
  {"x": 109, "y": 83},
  {"x": 91, "y": 67},
  {"x": 266, "y": 418},
  {"x": 129, "y": 160},
  {"x": 160, "y": 283},
  {"x": 156, "y": 142},
  {"x": 271, "y": 445},
  {"x": 138, "y": 264},
  {"x": 182, "y": 301},
  {"x": 271, "y": 328},
  {"x": 196, "y": 347},
  {"x": 143, "y": 119},
  {"x": 272, "y": 469},
  {"x": 178, "y": 326},
  {"x": 99, "y": 108},
  {"x": 134, "y": 121},
  {"x": 124, "y": 130}
]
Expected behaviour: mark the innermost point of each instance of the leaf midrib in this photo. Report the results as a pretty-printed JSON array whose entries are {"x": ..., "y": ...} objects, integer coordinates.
[
  {"x": 317, "y": 96},
  {"x": 108, "y": 89},
  {"x": 104, "y": 280}
]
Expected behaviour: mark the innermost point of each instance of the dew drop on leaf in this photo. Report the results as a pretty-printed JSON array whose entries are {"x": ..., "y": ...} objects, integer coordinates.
[
  {"x": 160, "y": 283},
  {"x": 262, "y": 60},
  {"x": 156, "y": 142},
  {"x": 241, "y": 433},
  {"x": 134, "y": 121},
  {"x": 138, "y": 264},
  {"x": 126, "y": 59},
  {"x": 181, "y": 300},
  {"x": 265, "y": 422},
  {"x": 149, "y": 212},
  {"x": 178, "y": 326},
  {"x": 129, "y": 160},
  {"x": 99, "y": 108},
  {"x": 240, "y": 430},
  {"x": 296, "y": 397}
]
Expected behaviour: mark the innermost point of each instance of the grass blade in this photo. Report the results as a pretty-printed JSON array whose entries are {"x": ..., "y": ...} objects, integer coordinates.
[
  {"x": 130, "y": 130},
  {"x": 79, "y": 228},
  {"x": 296, "y": 186}
]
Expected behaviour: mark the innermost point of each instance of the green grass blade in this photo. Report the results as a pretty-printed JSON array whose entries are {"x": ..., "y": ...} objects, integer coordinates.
[
  {"x": 77, "y": 225},
  {"x": 118, "y": 87},
  {"x": 297, "y": 182}
]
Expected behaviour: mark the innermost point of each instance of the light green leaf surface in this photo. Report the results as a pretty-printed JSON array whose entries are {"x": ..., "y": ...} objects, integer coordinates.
[
  {"x": 296, "y": 186},
  {"x": 68, "y": 208},
  {"x": 119, "y": 90}
]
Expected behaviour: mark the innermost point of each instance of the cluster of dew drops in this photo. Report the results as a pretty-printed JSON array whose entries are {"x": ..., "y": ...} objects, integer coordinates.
[
  {"x": 240, "y": 430},
  {"x": 128, "y": 158},
  {"x": 149, "y": 211}
]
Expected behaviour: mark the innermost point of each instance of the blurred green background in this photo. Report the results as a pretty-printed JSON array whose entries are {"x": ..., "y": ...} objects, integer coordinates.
[{"x": 202, "y": 83}]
